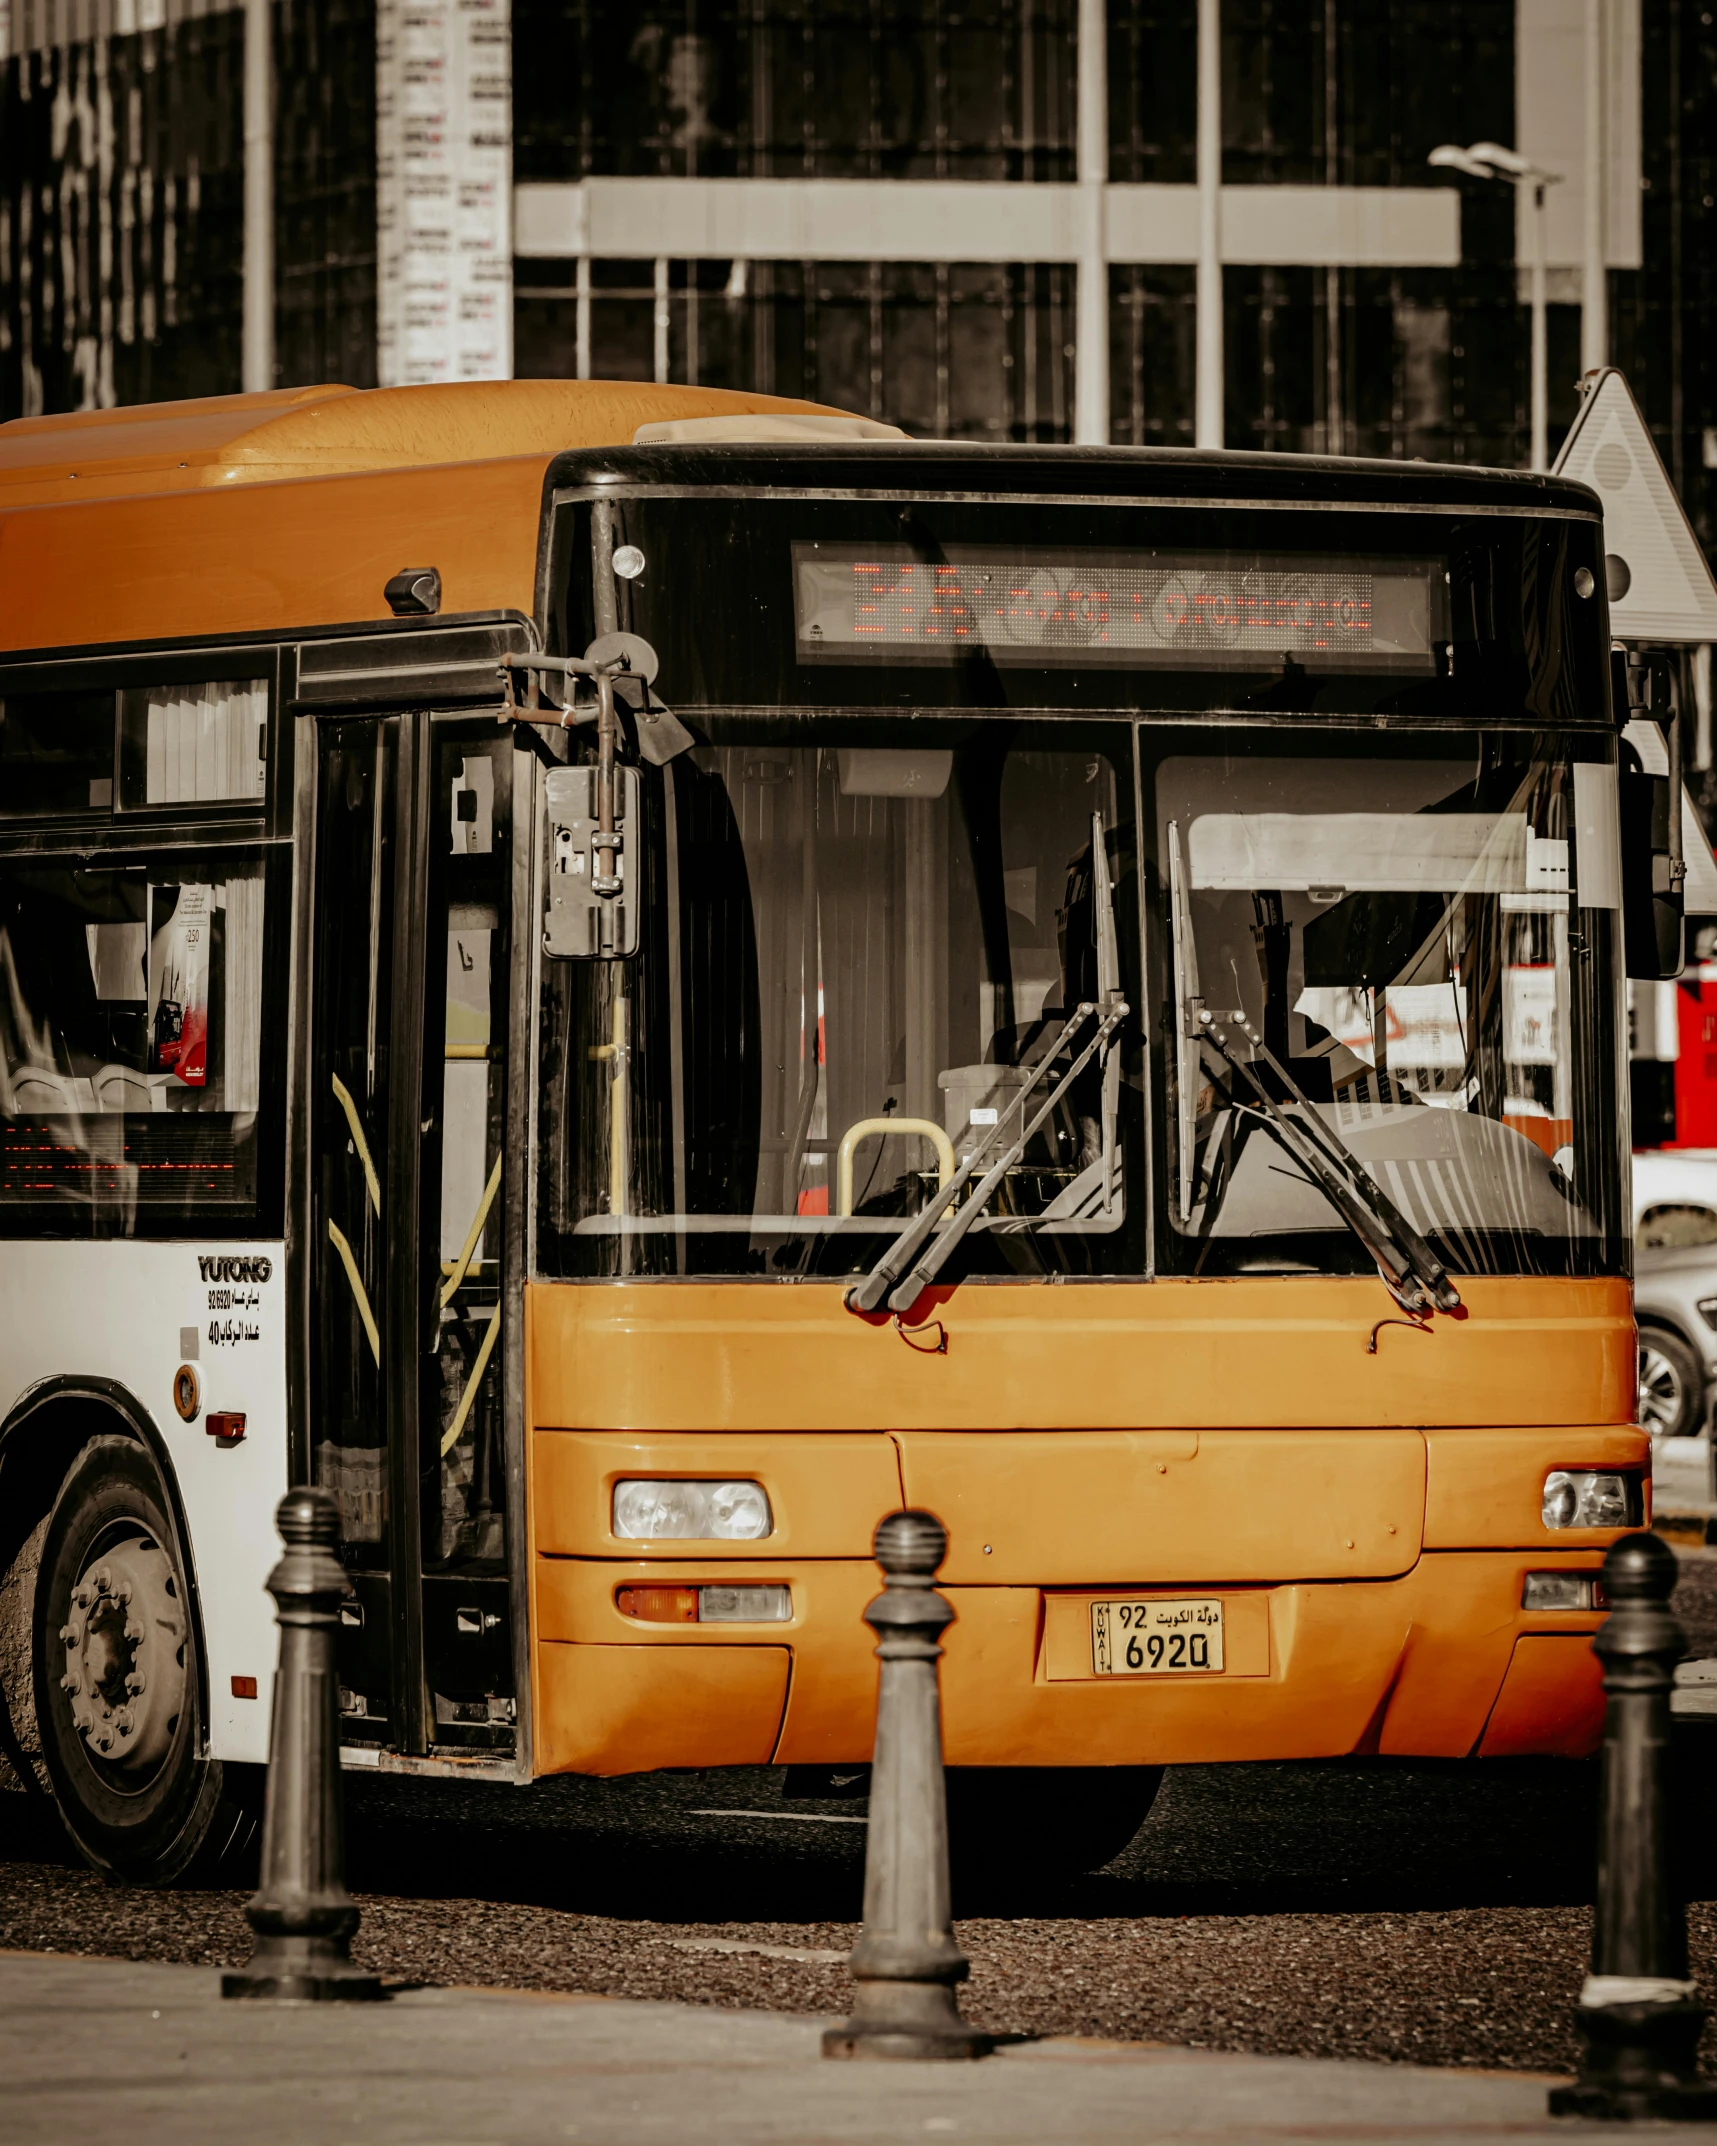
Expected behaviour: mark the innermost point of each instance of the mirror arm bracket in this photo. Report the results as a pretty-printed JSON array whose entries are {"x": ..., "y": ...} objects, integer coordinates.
[{"x": 534, "y": 670}]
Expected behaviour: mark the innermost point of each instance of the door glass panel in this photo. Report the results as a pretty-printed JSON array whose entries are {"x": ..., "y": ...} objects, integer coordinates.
[
  {"x": 465, "y": 1082},
  {"x": 411, "y": 922},
  {"x": 349, "y": 1093}
]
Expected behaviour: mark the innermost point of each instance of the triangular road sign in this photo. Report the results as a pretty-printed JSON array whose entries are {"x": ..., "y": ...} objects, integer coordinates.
[{"x": 1671, "y": 595}]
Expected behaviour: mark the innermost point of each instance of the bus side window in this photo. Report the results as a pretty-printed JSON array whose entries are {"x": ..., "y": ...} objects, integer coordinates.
[
  {"x": 131, "y": 1032},
  {"x": 56, "y": 753},
  {"x": 194, "y": 744}
]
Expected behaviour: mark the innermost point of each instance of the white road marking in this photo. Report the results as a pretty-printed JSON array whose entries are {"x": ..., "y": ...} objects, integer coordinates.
[
  {"x": 734, "y": 1944},
  {"x": 797, "y": 1818}
]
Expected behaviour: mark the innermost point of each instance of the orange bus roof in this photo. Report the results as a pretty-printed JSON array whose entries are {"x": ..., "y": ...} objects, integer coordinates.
[
  {"x": 290, "y": 510},
  {"x": 335, "y": 431}
]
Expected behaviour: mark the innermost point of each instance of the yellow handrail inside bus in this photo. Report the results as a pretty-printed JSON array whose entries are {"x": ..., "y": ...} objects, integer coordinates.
[
  {"x": 343, "y": 1095},
  {"x": 337, "y": 1237},
  {"x": 616, "y": 1054},
  {"x": 486, "y": 1348},
  {"x": 456, "y": 1272},
  {"x": 926, "y": 1127}
]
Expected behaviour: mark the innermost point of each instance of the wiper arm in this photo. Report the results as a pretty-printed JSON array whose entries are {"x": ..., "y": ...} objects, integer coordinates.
[
  {"x": 868, "y": 1295},
  {"x": 1412, "y": 1273},
  {"x": 936, "y": 1258}
]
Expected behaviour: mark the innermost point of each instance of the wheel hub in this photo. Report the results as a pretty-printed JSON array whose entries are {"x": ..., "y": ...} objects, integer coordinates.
[
  {"x": 125, "y": 1654},
  {"x": 1659, "y": 1389}
]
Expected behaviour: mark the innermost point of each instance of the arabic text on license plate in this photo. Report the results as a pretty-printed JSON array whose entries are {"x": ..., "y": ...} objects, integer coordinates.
[{"x": 1145, "y": 1639}]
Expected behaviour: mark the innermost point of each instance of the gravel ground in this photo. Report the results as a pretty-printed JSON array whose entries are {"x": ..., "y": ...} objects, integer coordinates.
[
  {"x": 1696, "y": 1599},
  {"x": 1423, "y": 1912}
]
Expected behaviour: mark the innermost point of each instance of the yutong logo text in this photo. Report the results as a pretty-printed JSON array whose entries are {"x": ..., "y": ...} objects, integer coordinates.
[{"x": 225, "y": 1267}]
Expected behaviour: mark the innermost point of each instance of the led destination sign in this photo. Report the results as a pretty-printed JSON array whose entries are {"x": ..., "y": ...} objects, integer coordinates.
[{"x": 1165, "y": 609}]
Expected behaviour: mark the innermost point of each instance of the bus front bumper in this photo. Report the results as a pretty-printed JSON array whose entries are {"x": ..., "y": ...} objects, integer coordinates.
[{"x": 1441, "y": 1662}]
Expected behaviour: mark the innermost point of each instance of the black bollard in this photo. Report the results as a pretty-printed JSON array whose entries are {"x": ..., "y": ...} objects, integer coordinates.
[
  {"x": 302, "y": 1915},
  {"x": 1638, "y": 2017},
  {"x": 907, "y": 1963}
]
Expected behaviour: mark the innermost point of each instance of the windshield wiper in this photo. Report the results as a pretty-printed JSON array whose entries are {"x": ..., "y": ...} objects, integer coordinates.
[
  {"x": 885, "y": 1275},
  {"x": 1412, "y": 1273}
]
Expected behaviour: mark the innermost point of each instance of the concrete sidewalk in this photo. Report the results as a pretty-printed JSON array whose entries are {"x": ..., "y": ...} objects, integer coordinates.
[{"x": 100, "y": 2049}]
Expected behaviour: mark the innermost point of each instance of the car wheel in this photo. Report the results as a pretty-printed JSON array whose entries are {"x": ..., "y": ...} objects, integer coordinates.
[
  {"x": 1671, "y": 1385},
  {"x": 116, "y": 1673}
]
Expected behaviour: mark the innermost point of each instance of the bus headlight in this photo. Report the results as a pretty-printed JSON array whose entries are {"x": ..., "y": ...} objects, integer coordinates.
[
  {"x": 653, "y": 1509},
  {"x": 1591, "y": 1498},
  {"x": 744, "y": 1605},
  {"x": 1563, "y": 1591}
]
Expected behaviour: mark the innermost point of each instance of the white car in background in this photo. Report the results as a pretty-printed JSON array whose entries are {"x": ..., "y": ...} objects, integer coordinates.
[
  {"x": 1675, "y": 1190},
  {"x": 1675, "y": 1289}
]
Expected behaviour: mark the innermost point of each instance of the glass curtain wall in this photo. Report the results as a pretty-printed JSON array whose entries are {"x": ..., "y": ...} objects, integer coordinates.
[
  {"x": 1392, "y": 362},
  {"x": 893, "y": 89}
]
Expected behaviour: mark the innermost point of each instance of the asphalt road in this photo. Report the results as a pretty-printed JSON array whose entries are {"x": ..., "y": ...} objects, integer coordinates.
[{"x": 1436, "y": 1913}]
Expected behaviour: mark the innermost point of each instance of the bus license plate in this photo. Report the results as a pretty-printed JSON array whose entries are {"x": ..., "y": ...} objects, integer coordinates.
[{"x": 1155, "y": 1639}]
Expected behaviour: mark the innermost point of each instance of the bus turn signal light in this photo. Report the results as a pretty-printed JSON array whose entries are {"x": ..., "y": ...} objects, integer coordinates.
[
  {"x": 659, "y": 1605},
  {"x": 705, "y": 1605},
  {"x": 225, "y": 1424}
]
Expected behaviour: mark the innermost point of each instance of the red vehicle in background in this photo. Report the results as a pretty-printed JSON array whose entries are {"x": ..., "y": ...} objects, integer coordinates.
[{"x": 1673, "y": 1028}]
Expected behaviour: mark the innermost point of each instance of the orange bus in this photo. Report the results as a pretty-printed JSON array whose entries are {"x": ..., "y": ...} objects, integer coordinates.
[{"x": 630, "y": 978}]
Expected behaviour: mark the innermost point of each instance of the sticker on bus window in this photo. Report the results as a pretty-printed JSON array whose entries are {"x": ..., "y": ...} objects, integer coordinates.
[{"x": 180, "y": 920}]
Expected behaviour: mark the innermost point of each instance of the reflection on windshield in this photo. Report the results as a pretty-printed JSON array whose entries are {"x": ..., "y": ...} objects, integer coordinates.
[
  {"x": 1428, "y": 947},
  {"x": 853, "y": 958}
]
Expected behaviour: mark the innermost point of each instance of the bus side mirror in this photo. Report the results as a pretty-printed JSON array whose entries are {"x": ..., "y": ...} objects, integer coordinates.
[
  {"x": 589, "y": 913},
  {"x": 1651, "y": 896}
]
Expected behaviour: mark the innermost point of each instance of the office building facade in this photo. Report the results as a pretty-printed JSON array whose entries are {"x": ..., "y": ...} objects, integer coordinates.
[{"x": 893, "y": 205}]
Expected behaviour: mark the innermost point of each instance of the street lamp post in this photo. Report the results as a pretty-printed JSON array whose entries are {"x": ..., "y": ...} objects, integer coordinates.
[
  {"x": 1540, "y": 334},
  {"x": 1490, "y": 160},
  {"x": 256, "y": 359}
]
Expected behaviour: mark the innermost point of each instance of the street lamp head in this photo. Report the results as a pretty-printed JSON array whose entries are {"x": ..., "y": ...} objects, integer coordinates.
[
  {"x": 1447, "y": 157},
  {"x": 1492, "y": 160},
  {"x": 1500, "y": 159}
]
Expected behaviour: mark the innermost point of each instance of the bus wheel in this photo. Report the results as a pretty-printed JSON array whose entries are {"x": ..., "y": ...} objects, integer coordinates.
[
  {"x": 1044, "y": 1821},
  {"x": 116, "y": 1674}
]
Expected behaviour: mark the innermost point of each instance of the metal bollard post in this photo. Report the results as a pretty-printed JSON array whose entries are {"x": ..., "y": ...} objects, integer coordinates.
[
  {"x": 1638, "y": 2016},
  {"x": 302, "y": 1915},
  {"x": 907, "y": 1963}
]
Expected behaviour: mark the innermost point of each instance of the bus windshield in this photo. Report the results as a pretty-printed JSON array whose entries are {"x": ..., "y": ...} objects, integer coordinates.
[
  {"x": 1425, "y": 942},
  {"x": 855, "y": 955}
]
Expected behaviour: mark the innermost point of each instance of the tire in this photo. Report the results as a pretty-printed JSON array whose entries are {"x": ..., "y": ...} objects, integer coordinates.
[
  {"x": 117, "y": 1677},
  {"x": 1045, "y": 1822},
  {"x": 1671, "y": 1385}
]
